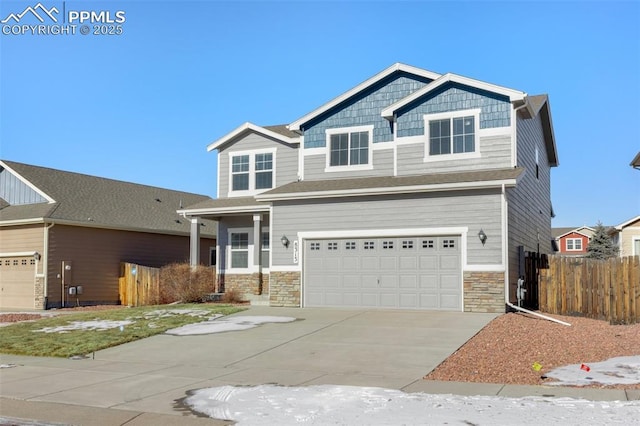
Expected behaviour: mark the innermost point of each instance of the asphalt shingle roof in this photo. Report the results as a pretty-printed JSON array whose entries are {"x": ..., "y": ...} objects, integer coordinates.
[{"x": 101, "y": 202}]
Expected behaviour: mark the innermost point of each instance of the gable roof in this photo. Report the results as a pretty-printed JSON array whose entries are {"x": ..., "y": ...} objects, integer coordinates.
[
  {"x": 539, "y": 104},
  {"x": 393, "y": 184},
  {"x": 627, "y": 223},
  {"x": 635, "y": 163},
  {"x": 513, "y": 95},
  {"x": 296, "y": 125},
  {"x": 92, "y": 201},
  {"x": 563, "y": 232},
  {"x": 278, "y": 132}
]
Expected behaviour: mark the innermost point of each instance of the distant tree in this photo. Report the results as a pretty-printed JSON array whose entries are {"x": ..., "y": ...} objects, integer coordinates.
[{"x": 601, "y": 246}]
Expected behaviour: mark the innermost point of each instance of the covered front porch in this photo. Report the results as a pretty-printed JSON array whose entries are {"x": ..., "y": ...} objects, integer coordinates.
[{"x": 243, "y": 248}]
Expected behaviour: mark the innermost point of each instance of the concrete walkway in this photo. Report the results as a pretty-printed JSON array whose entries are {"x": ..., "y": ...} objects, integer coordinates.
[{"x": 140, "y": 383}]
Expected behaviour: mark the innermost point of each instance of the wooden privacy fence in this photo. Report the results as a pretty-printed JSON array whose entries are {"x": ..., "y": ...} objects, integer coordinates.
[
  {"x": 138, "y": 285},
  {"x": 600, "y": 289}
]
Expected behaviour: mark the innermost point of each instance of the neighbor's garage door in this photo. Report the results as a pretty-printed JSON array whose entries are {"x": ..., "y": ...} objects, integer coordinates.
[
  {"x": 17, "y": 280},
  {"x": 407, "y": 272}
]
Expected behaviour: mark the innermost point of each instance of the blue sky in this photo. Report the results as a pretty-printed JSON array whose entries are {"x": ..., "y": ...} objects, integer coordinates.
[{"x": 142, "y": 106}]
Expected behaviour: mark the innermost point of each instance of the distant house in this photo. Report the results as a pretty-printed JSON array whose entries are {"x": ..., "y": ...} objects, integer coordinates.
[
  {"x": 60, "y": 229},
  {"x": 627, "y": 237},
  {"x": 412, "y": 190},
  {"x": 573, "y": 241},
  {"x": 635, "y": 163}
]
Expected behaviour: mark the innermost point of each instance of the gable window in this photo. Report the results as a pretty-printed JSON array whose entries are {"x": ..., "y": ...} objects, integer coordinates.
[
  {"x": 574, "y": 244},
  {"x": 349, "y": 147},
  {"x": 452, "y": 133},
  {"x": 251, "y": 172}
]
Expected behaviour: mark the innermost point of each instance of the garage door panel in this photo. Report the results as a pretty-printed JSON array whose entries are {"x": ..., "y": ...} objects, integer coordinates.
[
  {"x": 17, "y": 282},
  {"x": 408, "y": 281},
  {"x": 449, "y": 301},
  {"x": 407, "y": 272}
]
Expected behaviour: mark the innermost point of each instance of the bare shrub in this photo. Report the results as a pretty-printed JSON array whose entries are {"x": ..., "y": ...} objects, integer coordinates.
[
  {"x": 232, "y": 296},
  {"x": 179, "y": 282}
]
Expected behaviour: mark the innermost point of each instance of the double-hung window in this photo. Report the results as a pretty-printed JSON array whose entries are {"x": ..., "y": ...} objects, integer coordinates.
[
  {"x": 574, "y": 244},
  {"x": 251, "y": 172},
  {"x": 452, "y": 133},
  {"x": 239, "y": 249},
  {"x": 349, "y": 147}
]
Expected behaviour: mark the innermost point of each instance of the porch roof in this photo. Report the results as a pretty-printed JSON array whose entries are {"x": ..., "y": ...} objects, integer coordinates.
[{"x": 225, "y": 206}]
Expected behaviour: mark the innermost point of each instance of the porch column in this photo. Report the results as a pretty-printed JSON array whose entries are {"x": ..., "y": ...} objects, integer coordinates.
[
  {"x": 257, "y": 241},
  {"x": 194, "y": 242}
]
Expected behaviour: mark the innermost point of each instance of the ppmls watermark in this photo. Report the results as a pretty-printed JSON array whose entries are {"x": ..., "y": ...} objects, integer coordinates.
[{"x": 61, "y": 20}]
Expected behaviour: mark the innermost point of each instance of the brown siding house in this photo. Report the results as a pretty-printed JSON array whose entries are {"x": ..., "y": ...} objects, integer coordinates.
[{"x": 51, "y": 219}]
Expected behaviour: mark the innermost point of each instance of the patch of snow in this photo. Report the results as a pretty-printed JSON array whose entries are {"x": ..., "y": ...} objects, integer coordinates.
[
  {"x": 235, "y": 323},
  {"x": 7, "y": 365},
  {"x": 349, "y": 405},
  {"x": 99, "y": 325},
  {"x": 621, "y": 370},
  {"x": 163, "y": 313}
]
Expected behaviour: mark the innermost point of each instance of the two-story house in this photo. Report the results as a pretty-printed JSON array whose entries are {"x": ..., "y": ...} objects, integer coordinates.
[{"x": 412, "y": 190}]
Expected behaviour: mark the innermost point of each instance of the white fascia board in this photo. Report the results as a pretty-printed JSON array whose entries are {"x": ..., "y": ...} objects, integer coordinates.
[
  {"x": 22, "y": 221},
  {"x": 252, "y": 128},
  {"x": 295, "y": 126},
  {"x": 223, "y": 210},
  {"x": 624, "y": 224},
  {"x": 513, "y": 95},
  {"x": 19, "y": 254},
  {"x": 26, "y": 182},
  {"x": 388, "y": 191}
]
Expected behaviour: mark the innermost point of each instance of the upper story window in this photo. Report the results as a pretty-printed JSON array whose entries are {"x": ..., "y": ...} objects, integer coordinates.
[
  {"x": 574, "y": 244},
  {"x": 452, "y": 133},
  {"x": 349, "y": 148},
  {"x": 251, "y": 172}
]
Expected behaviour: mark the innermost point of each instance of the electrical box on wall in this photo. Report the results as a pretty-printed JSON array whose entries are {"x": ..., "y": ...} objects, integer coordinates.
[
  {"x": 79, "y": 290},
  {"x": 72, "y": 291}
]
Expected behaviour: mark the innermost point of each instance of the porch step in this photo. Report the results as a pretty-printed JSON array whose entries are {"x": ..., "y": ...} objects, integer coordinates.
[{"x": 257, "y": 300}]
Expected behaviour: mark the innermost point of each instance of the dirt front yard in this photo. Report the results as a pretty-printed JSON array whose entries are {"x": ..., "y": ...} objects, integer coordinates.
[{"x": 506, "y": 350}]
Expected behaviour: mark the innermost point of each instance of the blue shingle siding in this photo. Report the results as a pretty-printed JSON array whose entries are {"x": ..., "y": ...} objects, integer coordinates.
[
  {"x": 364, "y": 109},
  {"x": 495, "y": 109}
]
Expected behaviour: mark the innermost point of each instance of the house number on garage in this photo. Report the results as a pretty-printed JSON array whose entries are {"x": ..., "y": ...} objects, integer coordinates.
[{"x": 295, "y": 252}]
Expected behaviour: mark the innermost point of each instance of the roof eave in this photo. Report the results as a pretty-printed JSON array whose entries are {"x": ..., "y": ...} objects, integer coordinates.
[
  {"x": 513, "y": 95},
  {"x": 296, "y": 125},
  {"x": 207, "y": 211},
  {"x": 388, "y": 190},
  {"x": 250, "y": 127}
]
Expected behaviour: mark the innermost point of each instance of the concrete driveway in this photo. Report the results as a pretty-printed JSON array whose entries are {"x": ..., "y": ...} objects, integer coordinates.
[{"x": 390, "y": 349}]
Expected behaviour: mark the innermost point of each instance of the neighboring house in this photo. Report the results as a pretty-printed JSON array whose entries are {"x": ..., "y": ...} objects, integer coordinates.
[
  {"x": 635, "y": 163},
  {"x": 572, "y": 241},
  {"x": 60, "y": 229},
  {"x": 411, "y": 190},
  {"x": 627, "y": 237}
]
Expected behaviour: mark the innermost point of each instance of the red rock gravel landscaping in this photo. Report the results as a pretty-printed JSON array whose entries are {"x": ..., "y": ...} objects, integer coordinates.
[{"x": 506, "y": 349}]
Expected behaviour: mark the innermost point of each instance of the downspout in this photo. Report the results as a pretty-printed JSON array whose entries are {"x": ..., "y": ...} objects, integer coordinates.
[
  {"x": 45, "y": 264},
  {"x": 506, "y": 238}
]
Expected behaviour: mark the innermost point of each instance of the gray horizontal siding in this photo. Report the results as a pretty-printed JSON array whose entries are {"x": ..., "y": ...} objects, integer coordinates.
[
  {"x": 495, "y": 151},
  {"x": 495, "y": 109},
  {"x": 365, "y": 109},
  {"x": 530, "y": 201},
  {"x": 314, "y": 166},
  {"x": 286, "y": 160},
  {"x": 473, "y": 209}
]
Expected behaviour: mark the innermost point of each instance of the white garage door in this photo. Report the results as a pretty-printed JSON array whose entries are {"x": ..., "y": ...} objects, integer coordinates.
[
  {"x": 17, "y": 280},
  {"x": 403, "y": 272}
]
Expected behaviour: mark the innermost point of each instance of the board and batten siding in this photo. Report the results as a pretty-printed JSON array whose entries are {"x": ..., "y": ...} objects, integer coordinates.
[
  {"x": 96, "y": 255},
  {"x": 530, "y": 201},
  {"x": 286, "y": 160},
  {"x": 315, "y": 165},
  {"x": 475, "y": 210},
  {"x": 495, "y": 153}
]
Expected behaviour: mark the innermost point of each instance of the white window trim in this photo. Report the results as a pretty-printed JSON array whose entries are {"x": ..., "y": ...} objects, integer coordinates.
[
  {"x": 250, "y": 266},
  {"x": 633, "y": 245},
  {"x": 329, "y": 168},
  {"x": 451, "y": 115},
  {"x": 574, "y": 245},
  {"x": 252, "y": 172}
]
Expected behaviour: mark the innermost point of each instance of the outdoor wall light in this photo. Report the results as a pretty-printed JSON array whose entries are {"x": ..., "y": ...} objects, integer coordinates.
[
  {"x": 482, "y": 236},
  {"x": 285, "y": 241}
]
